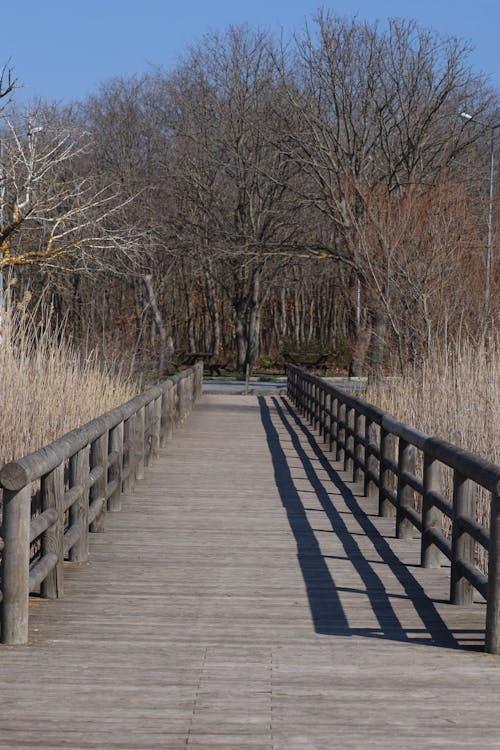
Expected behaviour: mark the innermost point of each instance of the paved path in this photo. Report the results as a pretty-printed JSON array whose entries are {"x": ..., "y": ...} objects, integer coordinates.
[{"x": 243, "y": 599}]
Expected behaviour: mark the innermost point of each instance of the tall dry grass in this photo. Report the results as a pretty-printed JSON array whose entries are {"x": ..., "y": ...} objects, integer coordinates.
[
  {"x": 454, "y": 394},
  {"x": 46, "y": 386}
]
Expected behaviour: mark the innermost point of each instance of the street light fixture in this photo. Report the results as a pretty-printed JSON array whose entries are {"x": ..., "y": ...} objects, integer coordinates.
[{"x": 487, "y": 289}]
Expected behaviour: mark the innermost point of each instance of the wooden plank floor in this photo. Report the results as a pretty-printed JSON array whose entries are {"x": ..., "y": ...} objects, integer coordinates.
[{"x": 244, "y": 599}]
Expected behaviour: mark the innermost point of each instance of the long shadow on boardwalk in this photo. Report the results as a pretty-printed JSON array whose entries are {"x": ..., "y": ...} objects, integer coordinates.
[{"x": 327, "y": 611}]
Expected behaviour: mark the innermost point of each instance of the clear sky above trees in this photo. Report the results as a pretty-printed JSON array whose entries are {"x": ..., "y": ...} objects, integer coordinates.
[{"x": 62, "y": 50}]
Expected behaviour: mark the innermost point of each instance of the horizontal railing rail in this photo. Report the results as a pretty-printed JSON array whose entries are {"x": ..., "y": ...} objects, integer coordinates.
[
  {"x": 53, "y": 497},
  {"x": 381, "y": 452}
]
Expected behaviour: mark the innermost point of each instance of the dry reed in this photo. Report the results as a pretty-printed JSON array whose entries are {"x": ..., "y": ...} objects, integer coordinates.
[
  {"x": 454, "y": 394},
  {"x": 46, "y": 387}
]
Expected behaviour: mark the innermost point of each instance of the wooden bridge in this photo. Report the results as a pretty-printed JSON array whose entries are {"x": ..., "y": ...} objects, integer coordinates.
[{"x": 247, "y": 595}]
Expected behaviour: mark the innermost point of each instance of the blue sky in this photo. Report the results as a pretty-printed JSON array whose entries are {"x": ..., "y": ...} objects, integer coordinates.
[{"x": 62, "y": 49}]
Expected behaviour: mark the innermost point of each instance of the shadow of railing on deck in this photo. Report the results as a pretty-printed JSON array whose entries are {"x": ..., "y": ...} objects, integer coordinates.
[{"x": 323, "y": 591}]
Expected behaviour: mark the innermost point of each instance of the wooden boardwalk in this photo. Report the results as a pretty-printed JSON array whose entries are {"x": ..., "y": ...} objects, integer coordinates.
[{"x": 246, "y": 597}]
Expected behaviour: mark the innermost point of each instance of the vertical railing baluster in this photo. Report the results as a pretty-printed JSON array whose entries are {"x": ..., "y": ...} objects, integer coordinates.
[
  {"x": 164, "y": 429},
  {"x": 15, "y": 565},
  {"x": 341, "y": 432},
  {"x": 52, "y": 541},
  {"x": 370, "y": 486},
  {"x": 462, "y": 544},
  {"x": 79, "y": 467},
  {"x": 431, "y": 516},
  {"x": 99, "y": 457},
  {"x": 156, "y": 432},
  {"x": 316, "y": 406},
  {"x": 405, "y": 494},
  {"x": 387, "y": 453},
  {"x": 359, "y": 448},
  {"x": 349, "y": 440},
  {"x": 139, "y": 443},
  {"x": 115, "y": 471},
  {"x": 129, "y": 455},
  {"x": 334, "y": 424},
  {"x": 327, "y": 426},
  {"x": 492, "y": 640},
  {"x": 148, "y": 433}
]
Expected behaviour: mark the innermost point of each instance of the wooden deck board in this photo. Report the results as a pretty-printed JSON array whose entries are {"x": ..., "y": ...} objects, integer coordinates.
[{"x": 246, "y": 597}]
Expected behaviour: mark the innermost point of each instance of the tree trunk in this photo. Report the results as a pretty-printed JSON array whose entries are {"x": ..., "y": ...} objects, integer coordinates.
[
  {"x": 377, "y": 343},
  {"x": 241, "y": 340},
  {"x": 359, "y": 351},
  {"x": 166, "y": 349},
  {"x": 253, "y": 332}
]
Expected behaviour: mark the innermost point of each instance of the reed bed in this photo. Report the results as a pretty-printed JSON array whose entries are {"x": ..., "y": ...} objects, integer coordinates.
[
  {"x": 455, "y": 395},
  {"x": 46, "y": 387}
]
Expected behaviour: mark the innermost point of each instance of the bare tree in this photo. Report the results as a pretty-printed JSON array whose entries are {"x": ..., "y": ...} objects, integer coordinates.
[
  {"x": 232, "y": 184},
  {"x": 49, "y": 208},
  {"x": 377, "y": 107}
]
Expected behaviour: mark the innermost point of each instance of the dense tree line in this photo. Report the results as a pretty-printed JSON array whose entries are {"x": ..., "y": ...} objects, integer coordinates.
[{"x": 262, "y": 195}]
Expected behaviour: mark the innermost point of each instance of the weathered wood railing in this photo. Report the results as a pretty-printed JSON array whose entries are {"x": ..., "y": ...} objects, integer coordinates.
[
  {"x": 53, "y": 497},
  {"x": 381, "y": 452}
]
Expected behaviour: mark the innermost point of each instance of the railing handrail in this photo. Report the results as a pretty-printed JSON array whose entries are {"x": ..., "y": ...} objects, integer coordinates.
[
  {"x": 15, "y": 474},
  {"x": 347, "y": 422},
  {"x": 481, "y": 472},
  {"x": 82, "y": 476}
]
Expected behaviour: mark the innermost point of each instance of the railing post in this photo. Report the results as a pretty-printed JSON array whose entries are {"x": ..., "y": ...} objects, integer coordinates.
[
  {"x": 129, "y": 455},
  {"x": 359, "y": 449},
  {"x": 405, "y": 494},
  {"x": 198, "y": 385},
  {"x": 192, "y": 391},
  {"x": 317, "y": 407},
  {"x": 492, "y": 640},
  {"x": 370, "y": 486},
  {"x": 387, "y": 453},
  {"x": 139, "y": 443},
  {"x": 341, "y": 432},
  {"x": 310, "y": 402},
  {"x": 52, "y": 587},
  {"x": 99, "y": 457},
  {"x": 334, "y": 422},
  {"x": 178, "y": 402},
  {"x": 166, "y": 418},
  {"x": 79, "y": 467},
  {"x": 183, "y": 401},
  {"x": 290, "y": 385},
  {"x": 115, "y": 471},
  {"x": 327, "y": 420},
  {"x": 156, "y": 432},
  {"x": 148, "y": 433},
  {"x": 300, "y": 394},
  {"x": 349, "y": 440},
  {"x": 15, "y": 565},
  {"x": 462, "y": 544},
  {"x": 431, "y": 516},
  {"x": 170, "y": 412}
]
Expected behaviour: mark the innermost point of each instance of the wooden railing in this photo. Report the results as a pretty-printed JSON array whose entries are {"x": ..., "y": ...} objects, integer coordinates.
[
  {"x": 382, "y": 453},
  {"x": 55, "y": 496}
]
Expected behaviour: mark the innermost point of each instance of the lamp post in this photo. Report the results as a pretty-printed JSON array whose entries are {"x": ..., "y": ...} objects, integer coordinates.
[{"x": 487, "y": 287}]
